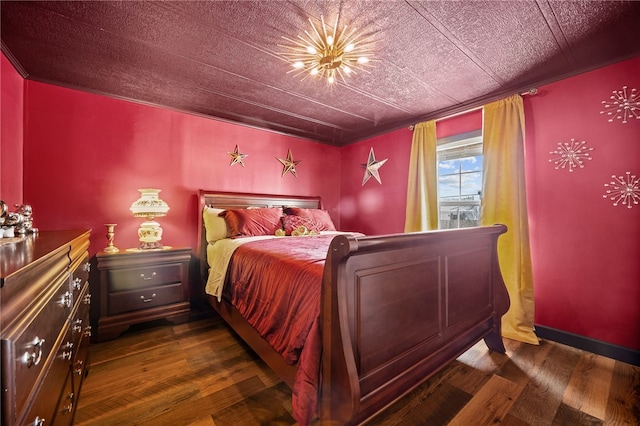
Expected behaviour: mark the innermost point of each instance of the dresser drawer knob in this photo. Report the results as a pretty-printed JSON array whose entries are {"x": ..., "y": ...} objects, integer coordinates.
[
  {"x": 39, "y": 421},
  {"x": 77, "y": 283},
  {"x": 87, "y": 299},
  {"x": 78, "y": 368},
  {"x": 144, "y": 300},
  {"x": 87, "y": 331},
  {"x": 34, "y": 358},
  {"x": 144, "y": 277},
  {"x": 86, "y": 267}
]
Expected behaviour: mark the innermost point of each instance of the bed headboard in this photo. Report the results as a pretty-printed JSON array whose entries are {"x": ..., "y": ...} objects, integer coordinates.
[{"x": 239, "y": 200}]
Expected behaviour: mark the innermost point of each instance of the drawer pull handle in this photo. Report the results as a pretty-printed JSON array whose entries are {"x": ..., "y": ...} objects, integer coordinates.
[
  {"x": 78, "y": 369},
  {"x": 66, "y": 300},
  {"x": 153, "y": 274},
  {"x": 67, "y": 354},
  {"x": 34, "y": 358},
  {"x": 86, "y": 267},
  {"x": 87, "y": 331},
  {"x": 38, "y": 421},
  {"x": 77, "y": 326},
  {"x": 87, "y": 299},
  {"x": 147, "y": 300},
  {"x": 77, "y": 283}
]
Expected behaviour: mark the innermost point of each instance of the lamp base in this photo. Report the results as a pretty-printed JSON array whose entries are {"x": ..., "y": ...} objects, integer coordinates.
[
  {"x": 150, "y": 234},
  {"x": 150, "y": 245},
  {"x": 139, "y": 249}
]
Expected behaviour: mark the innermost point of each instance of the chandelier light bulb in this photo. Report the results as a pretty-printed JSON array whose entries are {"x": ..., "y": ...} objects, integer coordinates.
[
  {"x": 311, "y": 50},
  {"x": 349, "y": 47},
  {"x": 346, "y": 69},
  {"x": 314, "y": 71},
  {"x": 363, "y": 60},
  {"x": 330, "y": 40},
  {"x": 298, "y": 64}
]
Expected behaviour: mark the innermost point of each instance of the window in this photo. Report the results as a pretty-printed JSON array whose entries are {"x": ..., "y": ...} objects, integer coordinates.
[{"x": 460, "y": 180}]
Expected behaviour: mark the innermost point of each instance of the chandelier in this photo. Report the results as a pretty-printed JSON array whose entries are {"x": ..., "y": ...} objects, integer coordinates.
[{"x": 328, "y": 53}]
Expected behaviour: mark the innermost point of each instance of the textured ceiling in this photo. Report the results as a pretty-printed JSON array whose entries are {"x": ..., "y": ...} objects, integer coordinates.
[{"x": 222, "y": 59}]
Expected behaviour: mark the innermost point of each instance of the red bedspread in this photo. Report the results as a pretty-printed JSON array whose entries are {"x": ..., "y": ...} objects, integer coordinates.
[{"x": 276, "y": 284}]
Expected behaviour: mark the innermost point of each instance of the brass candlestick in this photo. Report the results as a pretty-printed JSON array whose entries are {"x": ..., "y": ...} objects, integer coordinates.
[{"x": 110, "y": 235}]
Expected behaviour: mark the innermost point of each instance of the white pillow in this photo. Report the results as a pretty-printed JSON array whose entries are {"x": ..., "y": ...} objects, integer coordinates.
[{"x": 214, "y": 225}]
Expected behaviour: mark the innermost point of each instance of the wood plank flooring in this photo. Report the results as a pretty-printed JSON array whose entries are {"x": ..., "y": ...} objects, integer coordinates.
[{"x": 200, "y": 373}]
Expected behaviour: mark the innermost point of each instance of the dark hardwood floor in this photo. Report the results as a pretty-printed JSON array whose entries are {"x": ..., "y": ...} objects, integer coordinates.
[{"x": 200, "y": 373}]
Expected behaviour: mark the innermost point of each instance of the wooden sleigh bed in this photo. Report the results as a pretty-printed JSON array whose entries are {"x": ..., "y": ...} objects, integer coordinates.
[{"x": 394, "y": 309}]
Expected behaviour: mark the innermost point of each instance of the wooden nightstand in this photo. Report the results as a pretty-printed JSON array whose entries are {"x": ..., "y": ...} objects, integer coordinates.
[{"x": 140, "y": 286}]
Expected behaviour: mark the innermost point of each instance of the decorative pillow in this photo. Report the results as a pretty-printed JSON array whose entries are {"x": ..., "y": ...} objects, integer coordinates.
[
  {"x": 291, "y": 223},
  {"x": 321, "y": 217},
  {"x": 253, "y": 222},
  {"x": 214, "y": 225}
]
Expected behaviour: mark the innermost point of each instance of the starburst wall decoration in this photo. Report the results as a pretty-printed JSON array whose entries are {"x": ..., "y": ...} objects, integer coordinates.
[
  {"x": 571, "y": 154},
  {"x": 625, "y": 191},
  {"x": 622, "y": 106}
]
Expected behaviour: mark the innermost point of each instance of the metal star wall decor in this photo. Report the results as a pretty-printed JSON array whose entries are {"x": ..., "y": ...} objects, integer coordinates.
[
  {"x": 289, "y": 164},
  {"x": 237, "y": 157},
  {"x": 372, "y": 167}
]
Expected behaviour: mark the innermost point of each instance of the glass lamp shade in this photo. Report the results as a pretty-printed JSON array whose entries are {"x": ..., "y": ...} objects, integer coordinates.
[{"x": 149, "y": 206}]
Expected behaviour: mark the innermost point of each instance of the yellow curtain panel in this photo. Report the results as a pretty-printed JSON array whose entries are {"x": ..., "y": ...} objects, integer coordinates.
[
  {"x": 422, "y": 189},
  {"x": 504, "y": 201}
]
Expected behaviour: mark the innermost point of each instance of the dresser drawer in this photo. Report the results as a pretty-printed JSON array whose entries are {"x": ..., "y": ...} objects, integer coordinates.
[
  {"x": 48, "y": 395},
  {"x": 36, "y": 343},
  {"x": 145, "y": 298},
  {"x": 140, "y": 277}
]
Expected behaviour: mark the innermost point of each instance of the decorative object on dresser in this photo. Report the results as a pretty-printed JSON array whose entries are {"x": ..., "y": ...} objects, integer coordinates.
[
  {"x": 19, "y": 222},
  {"x": 44, "y": 293},
  {"x": 111, "y": 248},
  {"x": 149, "y": 206},
  {"x": 141, "y": 286}
]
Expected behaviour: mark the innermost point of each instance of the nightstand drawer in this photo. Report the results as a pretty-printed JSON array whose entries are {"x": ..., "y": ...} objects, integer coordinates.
[
  {"x": 145, "y": 298},
  {"x": 140, "y": 277}
]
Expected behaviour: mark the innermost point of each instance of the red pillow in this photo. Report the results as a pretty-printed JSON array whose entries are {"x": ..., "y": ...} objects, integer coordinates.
[
  {"x": 291, "y": 223},
  {"x": 320, "y": 217},
  {"x": 253, "y": 222}
]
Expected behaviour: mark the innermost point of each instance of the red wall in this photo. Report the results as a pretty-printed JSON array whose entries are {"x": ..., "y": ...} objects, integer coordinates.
[
  {"x": 586, "y": 252},
  {"x": 86, "y": 156},
  {"x": 11, "y": 133}
]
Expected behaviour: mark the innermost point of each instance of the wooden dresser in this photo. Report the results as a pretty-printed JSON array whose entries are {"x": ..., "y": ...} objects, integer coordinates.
[{"x": 44, "y": 322}]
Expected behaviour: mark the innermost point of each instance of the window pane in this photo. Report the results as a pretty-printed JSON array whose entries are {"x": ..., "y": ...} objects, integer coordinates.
[
  {"x": 449, "y": 187},
  {"x": 459, "y": 186}
]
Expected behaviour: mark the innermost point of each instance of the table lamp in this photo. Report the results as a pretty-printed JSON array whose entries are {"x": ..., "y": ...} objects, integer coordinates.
[{"x": 149, "y": 206}]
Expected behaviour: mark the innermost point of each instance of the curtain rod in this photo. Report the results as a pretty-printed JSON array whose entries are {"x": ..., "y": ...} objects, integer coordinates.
[{"x": 529, "y": 92}]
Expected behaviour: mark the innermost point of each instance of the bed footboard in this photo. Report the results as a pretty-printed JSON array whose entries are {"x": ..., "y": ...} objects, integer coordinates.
[{"x": 398, "y": 308}]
